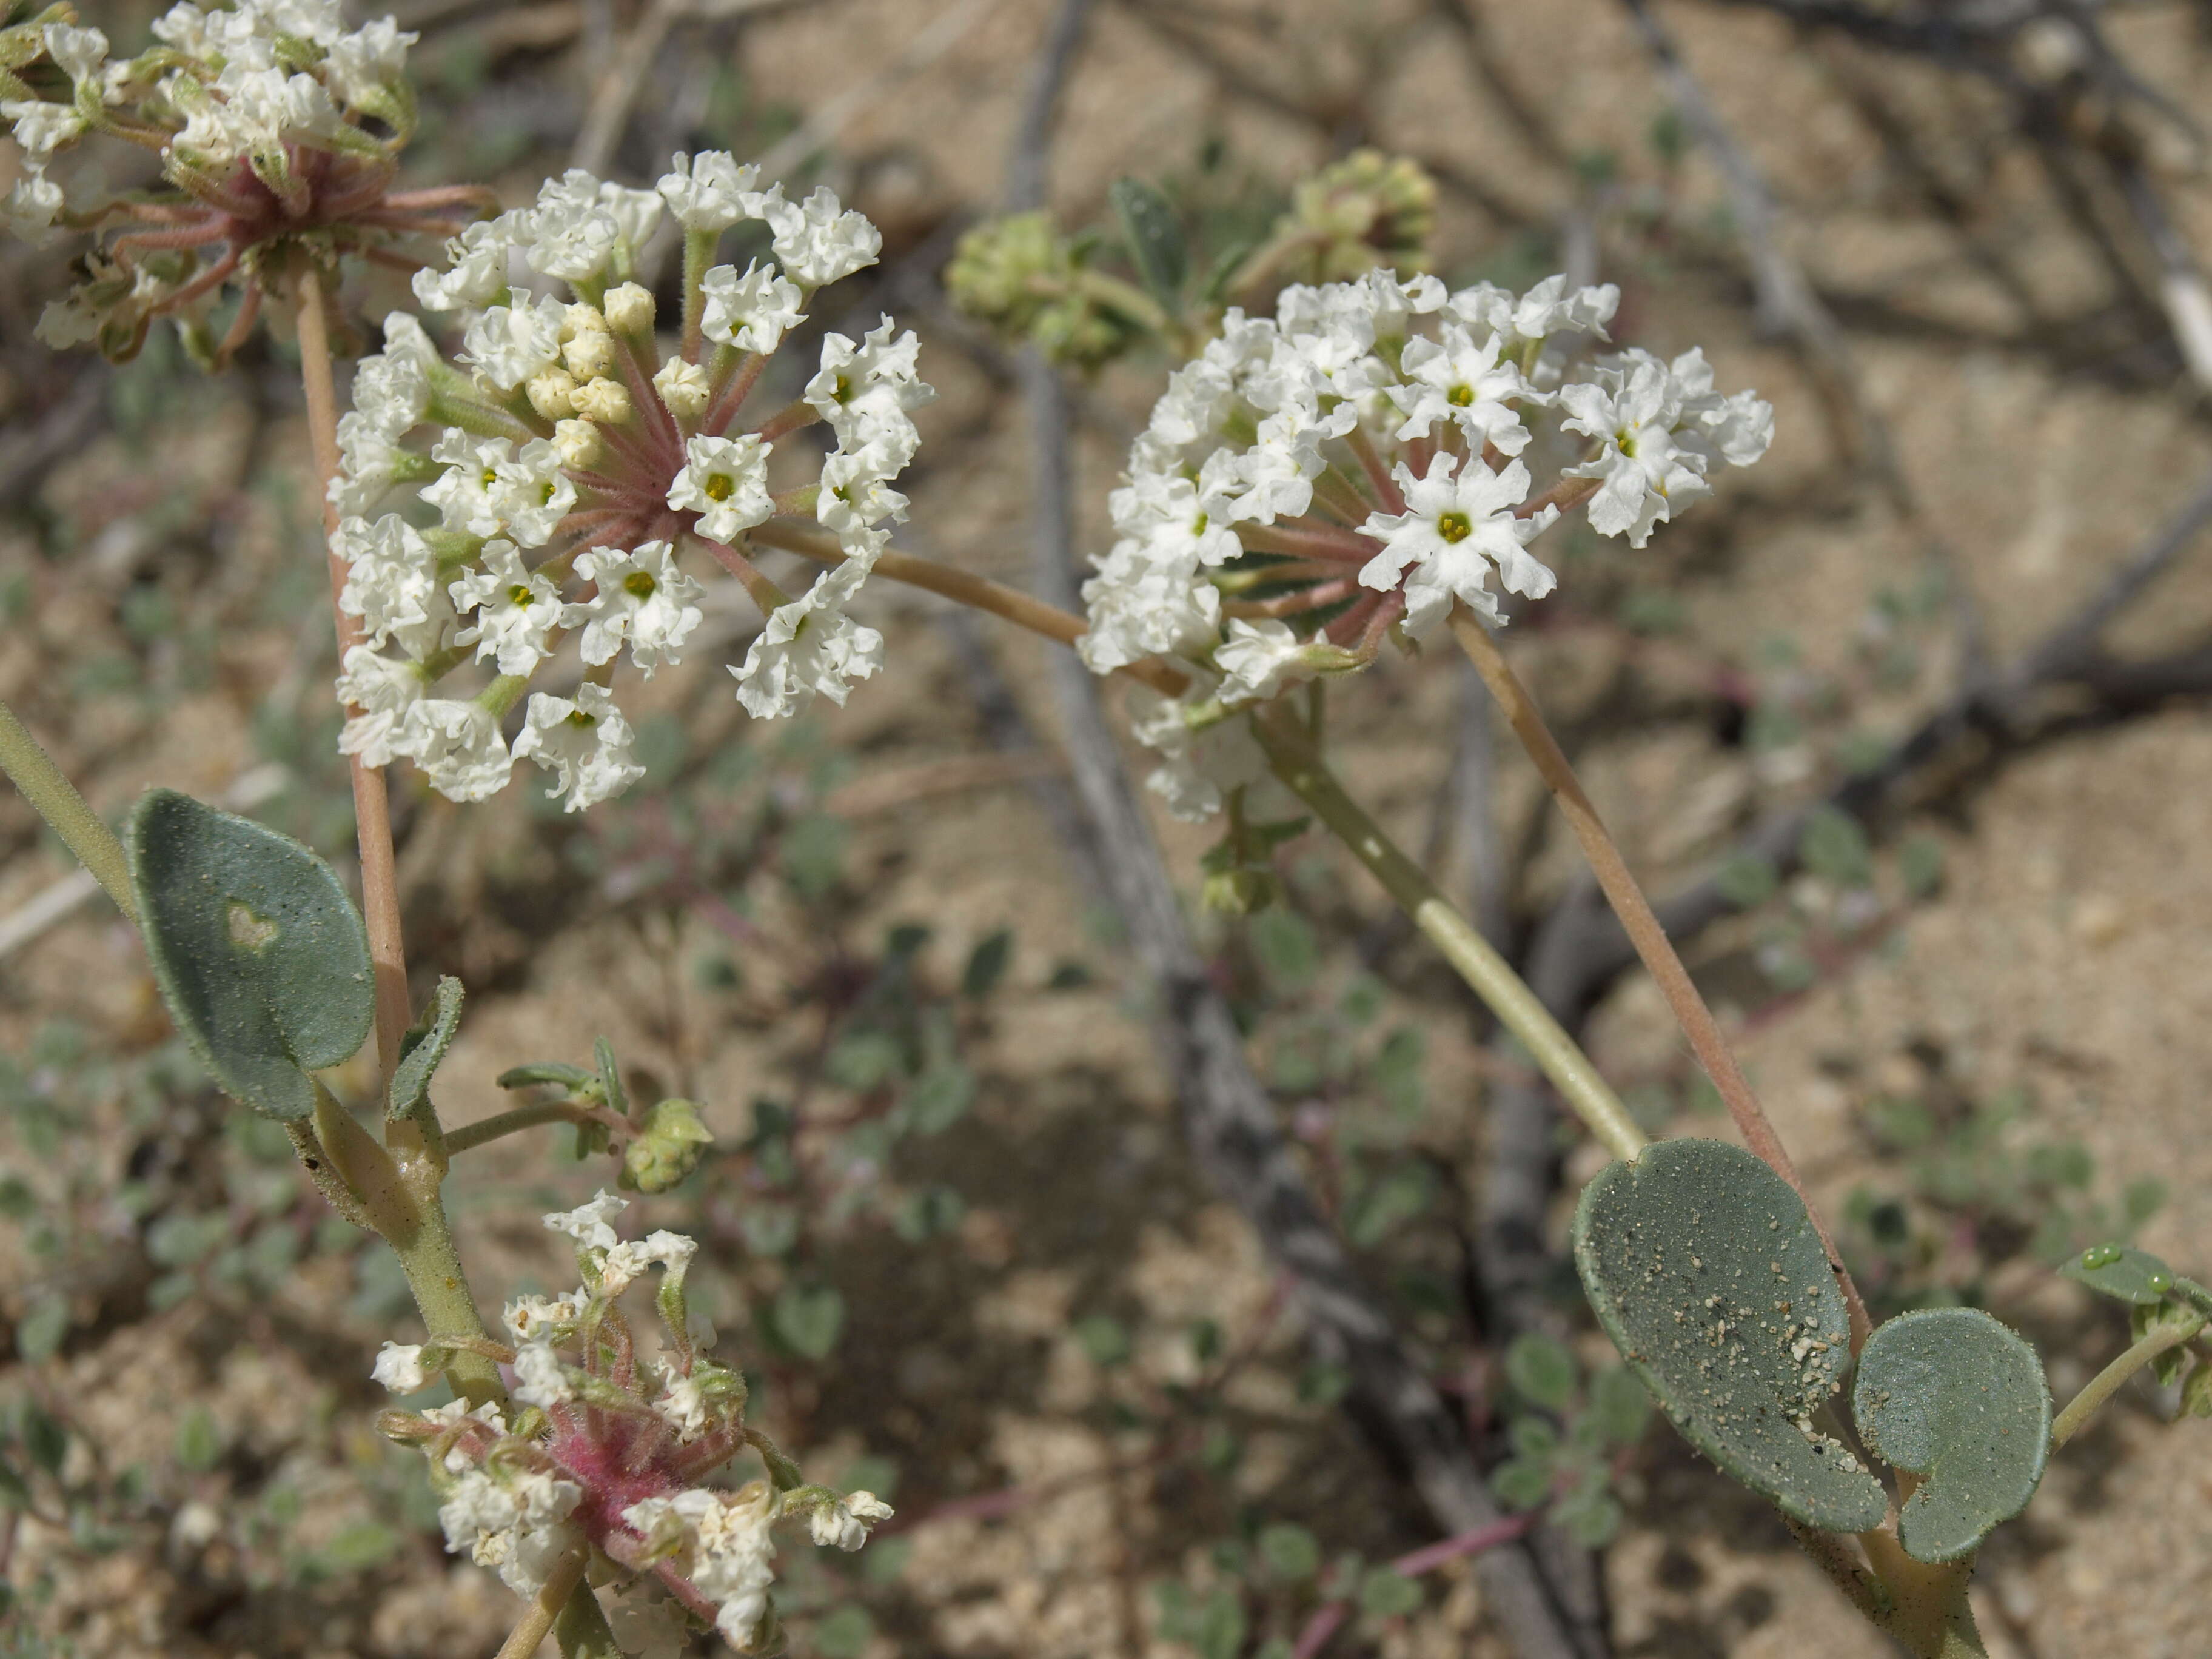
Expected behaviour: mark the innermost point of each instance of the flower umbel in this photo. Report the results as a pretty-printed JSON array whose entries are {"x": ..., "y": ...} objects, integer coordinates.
[
  {"x": 1348, "y": 470},
  {"x": 578, "y": 456},
  {"x": 611, "y": 1452},
  {"x": 279, "y": 133}
]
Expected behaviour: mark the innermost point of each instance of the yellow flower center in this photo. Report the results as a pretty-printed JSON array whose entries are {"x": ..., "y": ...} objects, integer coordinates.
[
  {"x": 1455, "y": 527},
  {"x": 518, "y": 593},
  {"x": 638, "y": 585},
  {"x": 1459, "y": 396},
  {"x": 720, "y": 485},
  {"x": 578, "y": 717}
]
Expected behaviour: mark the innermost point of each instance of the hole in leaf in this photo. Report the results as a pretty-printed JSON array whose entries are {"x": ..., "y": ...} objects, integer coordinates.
[{"x": 249, "y": 931}]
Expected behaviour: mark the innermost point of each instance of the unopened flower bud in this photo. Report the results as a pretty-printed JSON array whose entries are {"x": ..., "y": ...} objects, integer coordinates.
[
  {"x": 601, "y": 400},
  {"x": 670, "y": 1143},
  {"x": 628, "y": 308},
  {"x": 589, "y": 356},
  {"x": 683, "y": 387},
  {"x": 550, "y": 393},
  {"x": 1365, "y": 210},
  {"x": 581, "y": 318},
  {"x": 1242, "y": 891},
  {"x": 577, "y": 442}
]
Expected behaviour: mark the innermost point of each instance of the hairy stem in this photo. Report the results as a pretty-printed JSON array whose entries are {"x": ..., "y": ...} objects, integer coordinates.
[
  {"x": 545, "y": 1609},
  {"x": 1649, "y": 936},
  {"x": 1490, "y": 975},
  {"x": 54, "y": 798},
  {"x": 522, "y": 1118},
  {"x": 2106, "y": 1383},
  {"x": 379, "y": 884}
]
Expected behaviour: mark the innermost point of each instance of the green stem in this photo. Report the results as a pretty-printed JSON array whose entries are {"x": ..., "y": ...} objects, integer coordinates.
[
  {"x": 2106, "y": 1383},
  {"x": 54, "y": 798},
  {"x": 1490, "y": 975},
  {"x": 507, "y": 1123},
  {"x": 555, "y": 1594}
]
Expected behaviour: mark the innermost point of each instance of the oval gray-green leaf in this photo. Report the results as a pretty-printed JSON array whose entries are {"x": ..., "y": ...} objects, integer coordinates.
[
  {"x": 258, "y": 953},
  {"x": 1955, "y": 1397},
  {"x": 1704, "y": 1269},
  {"x": 2121, "y": 1271}
]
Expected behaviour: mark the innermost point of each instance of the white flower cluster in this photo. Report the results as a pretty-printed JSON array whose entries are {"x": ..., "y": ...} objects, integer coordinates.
[
  {"x": 246, "y": 83},
  {"x": 1350, "y": 467},
  {"x": 610, "y": 1450},
  {"x": 577, "y": 462}
]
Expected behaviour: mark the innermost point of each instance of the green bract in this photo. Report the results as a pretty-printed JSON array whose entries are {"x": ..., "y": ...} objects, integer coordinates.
[
  {"x": 258, "y": 953},
  {"x": 1704, "y": 1269},
  {"x": 1955, "y": 1397},
  {"x": 424, "y": 1048}
]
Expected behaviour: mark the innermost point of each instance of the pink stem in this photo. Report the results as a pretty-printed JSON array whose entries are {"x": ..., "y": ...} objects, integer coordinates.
[{"x": 732, "y": 399}]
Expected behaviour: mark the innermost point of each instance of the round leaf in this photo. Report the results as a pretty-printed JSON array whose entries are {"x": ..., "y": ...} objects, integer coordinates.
[
  {"x": 258, "y": 953},
  {"x": 1953, "y": 1396},
  {"x": 1541, "y": 1370},
  {"x": 1704, "y": 1269}
]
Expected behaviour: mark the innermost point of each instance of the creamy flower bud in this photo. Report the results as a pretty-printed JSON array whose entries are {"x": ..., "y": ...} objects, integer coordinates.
[
  {"x": 604, "y": 401},
  {"x": 628, "y": 308},
  {"x": 578, "y": 442},
  {"x": 550, "y": 393},
  {"x": 589, "y": 354},
  {"x": 683, "y": 387}
]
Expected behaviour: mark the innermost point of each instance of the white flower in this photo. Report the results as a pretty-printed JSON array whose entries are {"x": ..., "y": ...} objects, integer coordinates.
[
  {"x": 532, "y": 493},
  {"x": 1544, "y": 310},
  {"x": 543, "y": 1318},
  {"x": 1258, "y": 659},
  {"x": 853, "y": 496},
  {"x": 683, "y": 387},
  {"x": 392, "y": 586},
  {"x": 866, "y": 391},
  {"x": 459, "y": 747},
  {"x": 579, "y": 444},
  {"x": 1738, "y": 428},
  {"x": 711, "y": 191},
  {"x": 1453, "y": 379},
  {"x": 641, "y": 600},
  {"x": 1458, "y": 526},
  {"x": 363, "y": 65},
  {"x": 507, "y": 344},
  {"x": 627, "y": 1260},
  {"x": 810, "y": 647},
  {"x": 1633, "y": 409},
  {"x": 478, "y": 258},
  {"x": 384, "y": 689},
  {"x": 517, "y": 609},
  {"x": 1142, "y": 606},
  {"x": 79, "y": 51},
  {"x": 682, "y": 1405},
  {"x": 467, "y": 494},
  {"x": 728, "y": 1551},
  {"x": 586, "y": 742},
  {"x": 539, "y": 1377},
  {"x": 399, "y": 1368},
  {"x": 29, "y": 210},
  {"x": 725, "y": 482},
  {"x": 818, "y": 242},
  {"x": 752, "y": 312},
  {"x": 41, "y": 128},
  {"x": 845, "y": 1522},
  {"x": 590, "y": 1224}
]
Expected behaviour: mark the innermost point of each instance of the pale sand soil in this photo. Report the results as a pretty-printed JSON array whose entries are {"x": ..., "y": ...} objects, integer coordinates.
[{"x": 2066, "y": 949}]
